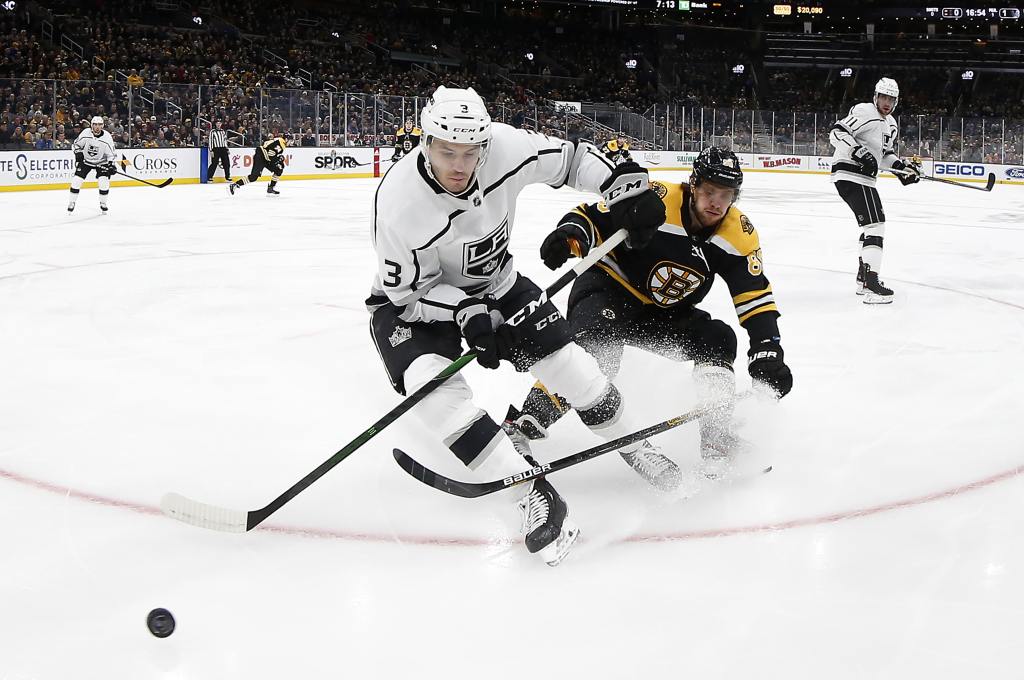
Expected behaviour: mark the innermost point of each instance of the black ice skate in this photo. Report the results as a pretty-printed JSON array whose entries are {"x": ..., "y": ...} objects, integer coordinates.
[
  {"x": 861, "y": 269},
  {"x": 232, "y": 187},
  {"x": 103, "y": 208},
  {"x": 272, "y": 190},
  {"x": 875, "y": 291},
  {"x": 654, "y": 466},
  {"x": 549, "y": 532}
]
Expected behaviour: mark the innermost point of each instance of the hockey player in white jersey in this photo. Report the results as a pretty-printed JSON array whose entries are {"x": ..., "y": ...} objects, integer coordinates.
[
  {"x": 94, "y": 150},
  {"x": 442, "y": 217},
  {"x": 865, "y": 142}
]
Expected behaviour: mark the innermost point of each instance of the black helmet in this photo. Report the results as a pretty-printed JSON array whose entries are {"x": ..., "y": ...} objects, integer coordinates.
[{"x": 719, "y": 166}]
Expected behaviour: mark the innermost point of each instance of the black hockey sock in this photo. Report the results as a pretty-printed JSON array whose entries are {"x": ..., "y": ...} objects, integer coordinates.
[{"x": 605, "y": 412}]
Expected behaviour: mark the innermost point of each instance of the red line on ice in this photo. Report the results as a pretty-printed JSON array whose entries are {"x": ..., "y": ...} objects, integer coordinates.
[{"x": 425, "y": 540}]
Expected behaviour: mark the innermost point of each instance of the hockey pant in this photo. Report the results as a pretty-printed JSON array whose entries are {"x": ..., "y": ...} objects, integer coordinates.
[
  {"x": 867, "y": 207},
  {"x": 413, "y": 353},
  {"x": 82, "y": 171},
  {"x": 219, "y": 156},
  {"x": 605, "y": 318}
]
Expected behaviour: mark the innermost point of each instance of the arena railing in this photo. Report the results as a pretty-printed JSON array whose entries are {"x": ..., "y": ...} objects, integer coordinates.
[{"x": 52, "y": 112}]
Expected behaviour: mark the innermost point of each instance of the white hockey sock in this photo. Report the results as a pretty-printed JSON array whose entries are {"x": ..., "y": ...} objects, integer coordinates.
[
  {"x": 715, "y": 385},
  {"x": 467, "y": 430},
  {"x": 871, "y": 246},
  {"x": 76, "y": 187},
  {"x": 572, "y": 374},
  {"x": 104, "y": 185}
]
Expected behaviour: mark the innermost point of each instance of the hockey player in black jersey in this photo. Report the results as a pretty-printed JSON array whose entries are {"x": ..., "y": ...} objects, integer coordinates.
[
  {"x": 407, "y": 138},
  {"x": 617, "y": 150},
  {"x": 269, "y": 156},
  {"x": 647, "y": 298}
]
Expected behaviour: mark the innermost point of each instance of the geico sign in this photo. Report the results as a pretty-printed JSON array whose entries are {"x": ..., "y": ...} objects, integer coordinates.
[
  {"x": 158, "y": 164},
  {"x": 961, "y": 169}
]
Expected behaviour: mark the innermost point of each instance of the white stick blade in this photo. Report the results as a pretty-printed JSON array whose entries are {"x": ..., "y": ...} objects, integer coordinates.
[{"x": 203, "y": 515}]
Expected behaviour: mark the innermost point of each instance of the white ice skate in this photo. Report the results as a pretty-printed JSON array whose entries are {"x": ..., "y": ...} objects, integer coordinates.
[
  {"x": 654, "y": 466},
  {"x": 718, "y": 454}
]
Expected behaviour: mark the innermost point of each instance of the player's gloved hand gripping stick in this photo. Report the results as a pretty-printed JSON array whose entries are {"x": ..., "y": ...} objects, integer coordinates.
[{"x": 239, "y": 521}]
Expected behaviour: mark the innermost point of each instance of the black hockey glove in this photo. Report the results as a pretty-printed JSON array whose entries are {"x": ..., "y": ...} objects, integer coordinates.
[
  {"x": 765, "y": 364},
  {"x": 558, "y": 245},
  {"x": 491, "y": 344},
  {"x": 866, "y": 159},
  {"x": 109, "y": 167},
  {"x": 641, "y": 219},
  {"x": 628, "y": 197},
  {"x": 79, "y": 157},
  {"x": 906, "y": 174}
]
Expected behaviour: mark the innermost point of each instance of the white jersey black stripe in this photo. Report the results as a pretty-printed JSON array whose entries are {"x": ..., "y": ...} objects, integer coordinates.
[
  {"x": 218, "y": 139},
  {"x": 864, "y": 126},
  {"x": 95, "y": 150},
  {"x": 433, "y": 249}
]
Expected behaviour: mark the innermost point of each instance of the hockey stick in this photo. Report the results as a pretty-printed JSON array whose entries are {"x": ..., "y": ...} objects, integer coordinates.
[
  {"x": 475, "y": 490},
  {"x": 161, "y": 185},
  {"x": 239, "y": 521},
  {"x": 991, "y": 182}
]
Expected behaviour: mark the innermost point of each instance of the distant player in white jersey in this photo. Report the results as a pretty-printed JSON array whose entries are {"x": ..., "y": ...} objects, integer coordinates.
[
  {"x": 94, "y": 150},
  {"x": 865, "y": 141},
  {"x": 442, "y": 217}
]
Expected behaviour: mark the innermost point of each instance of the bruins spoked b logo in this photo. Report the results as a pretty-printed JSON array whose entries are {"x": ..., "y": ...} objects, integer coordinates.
[{"x": 670, "y": 282}]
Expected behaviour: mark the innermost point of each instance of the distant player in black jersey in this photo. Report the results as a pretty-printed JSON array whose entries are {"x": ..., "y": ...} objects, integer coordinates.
[
  {"x": 617, "y": 150},
  {"x": 407, "y": 138},
  {"x": 647, "y": 298},
  {"x": 269, "y": 156}
]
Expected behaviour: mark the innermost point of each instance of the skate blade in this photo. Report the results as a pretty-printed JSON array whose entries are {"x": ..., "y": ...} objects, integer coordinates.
[
  {"x": 872, "y": 299},
  {"x": 559, "y": 549}
]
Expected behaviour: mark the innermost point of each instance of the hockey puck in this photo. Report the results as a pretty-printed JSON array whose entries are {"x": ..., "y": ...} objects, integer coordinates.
[{"x": 160, "y": 622}]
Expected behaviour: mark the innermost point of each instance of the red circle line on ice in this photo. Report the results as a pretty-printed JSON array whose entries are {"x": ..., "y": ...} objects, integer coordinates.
[
  {"x": 781, "y": 525},
  {"x": 391, "y": 537}
]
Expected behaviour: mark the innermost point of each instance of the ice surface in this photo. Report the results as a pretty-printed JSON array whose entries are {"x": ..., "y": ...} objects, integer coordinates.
[{"x": 218, "y": 347}]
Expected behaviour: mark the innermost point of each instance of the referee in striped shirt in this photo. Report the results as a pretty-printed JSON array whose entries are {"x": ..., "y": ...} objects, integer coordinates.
[{"x": 218, "y": 144}]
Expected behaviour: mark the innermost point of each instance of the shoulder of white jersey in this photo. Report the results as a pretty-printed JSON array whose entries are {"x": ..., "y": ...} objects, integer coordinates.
[
  {"x": 404, "y": 199},
  {"x": 736, "y": 234},
  {"x": 864, "y": 110},
  {"x": 511, "y": 146},
  {"x": 502, "y": 133}
]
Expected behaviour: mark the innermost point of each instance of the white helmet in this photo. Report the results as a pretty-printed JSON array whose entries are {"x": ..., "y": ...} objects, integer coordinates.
[
  {"x": 458, "y": 116},
  {"x": 888, "y": 87},
  {"x": 96, "y": 120}
]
